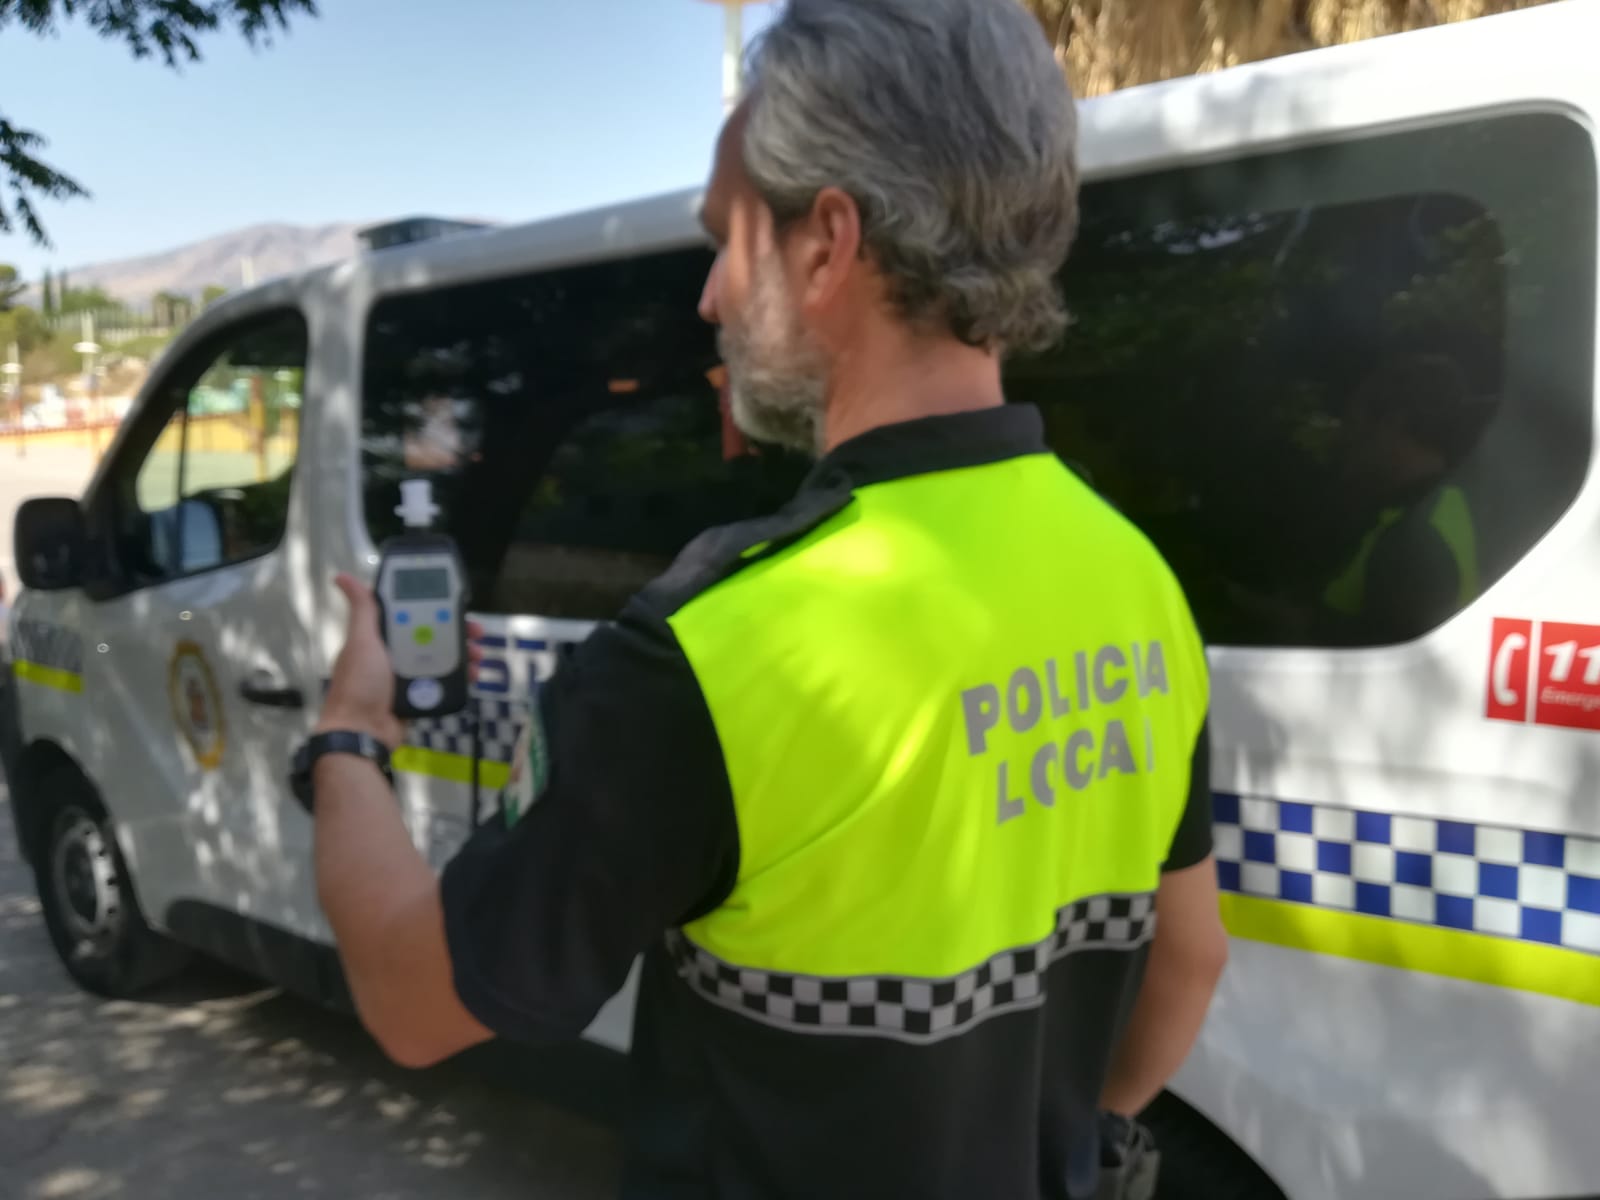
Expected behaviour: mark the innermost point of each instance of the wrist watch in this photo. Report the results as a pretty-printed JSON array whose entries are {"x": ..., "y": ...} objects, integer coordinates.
[{"x": 335, "y": 741}]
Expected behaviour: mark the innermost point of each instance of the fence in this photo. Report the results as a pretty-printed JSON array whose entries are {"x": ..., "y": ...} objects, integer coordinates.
[
  {"x": 78, "y": 433},
  {"x": 114, "y": 326},
  {"x": 223, "y": 436}
]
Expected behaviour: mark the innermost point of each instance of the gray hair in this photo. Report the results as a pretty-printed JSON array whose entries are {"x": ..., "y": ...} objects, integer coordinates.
[{"x": 952, "y": 127}]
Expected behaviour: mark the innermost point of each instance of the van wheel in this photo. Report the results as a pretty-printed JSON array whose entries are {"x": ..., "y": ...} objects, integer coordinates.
[
  {"x": 1198, "y": 1160},
  {"x": 89, "y": 907}
]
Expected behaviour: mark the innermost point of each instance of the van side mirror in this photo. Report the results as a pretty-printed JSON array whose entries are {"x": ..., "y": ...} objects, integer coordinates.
[{"x": 50, "y": 542}]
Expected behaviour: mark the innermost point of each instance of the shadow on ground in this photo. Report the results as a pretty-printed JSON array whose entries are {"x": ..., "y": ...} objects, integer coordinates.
[{"x": 219, "y": 1088}]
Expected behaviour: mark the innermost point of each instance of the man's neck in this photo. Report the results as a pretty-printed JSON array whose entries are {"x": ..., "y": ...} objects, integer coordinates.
[{"x": 904, "y": 380}]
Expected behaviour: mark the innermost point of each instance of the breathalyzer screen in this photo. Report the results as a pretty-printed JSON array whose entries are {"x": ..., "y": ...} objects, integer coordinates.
[{"x": 422, "y": 583}]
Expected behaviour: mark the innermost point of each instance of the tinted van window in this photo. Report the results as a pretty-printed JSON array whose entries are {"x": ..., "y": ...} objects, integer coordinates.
[
  {"x": 571, "y": 424},
  {"x": 1344, "y": 389}
]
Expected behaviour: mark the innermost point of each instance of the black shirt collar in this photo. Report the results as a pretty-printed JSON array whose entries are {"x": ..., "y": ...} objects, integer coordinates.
[{"x": 926, "y": 444}]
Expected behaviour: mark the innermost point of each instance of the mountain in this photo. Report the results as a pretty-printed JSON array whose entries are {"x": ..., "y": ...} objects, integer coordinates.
[{"x": 270, "y": 250}]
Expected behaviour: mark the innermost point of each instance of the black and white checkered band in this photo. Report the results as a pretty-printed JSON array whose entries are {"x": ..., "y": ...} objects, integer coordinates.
[
  {"x": 916, "y": 1009},
  {"x": 499, "y": 724}
]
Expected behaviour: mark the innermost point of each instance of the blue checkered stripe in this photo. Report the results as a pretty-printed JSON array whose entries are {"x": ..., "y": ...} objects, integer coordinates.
[
  {"x": 1511, "y": 883},
  {"x": 499, "y": 724}
]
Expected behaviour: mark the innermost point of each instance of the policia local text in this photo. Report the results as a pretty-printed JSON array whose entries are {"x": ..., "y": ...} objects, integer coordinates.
[{"x": 1100, "y": 677}]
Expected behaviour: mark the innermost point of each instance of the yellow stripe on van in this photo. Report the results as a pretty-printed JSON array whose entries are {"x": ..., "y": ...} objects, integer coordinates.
[
  {"x": 456, "y": 768},
  {"x": 50, "y": 677},
  {"x": 1476, "y": 957}
]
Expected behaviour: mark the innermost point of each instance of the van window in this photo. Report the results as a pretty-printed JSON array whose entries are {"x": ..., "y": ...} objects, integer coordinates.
[
  {"x": 570, "y": 423},
  {"x": 1345, "y": 388},
  {"x": 204, "y": 480}
]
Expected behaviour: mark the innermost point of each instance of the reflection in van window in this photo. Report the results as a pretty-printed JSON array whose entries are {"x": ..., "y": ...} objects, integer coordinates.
[
  {"x": 571, "y": 424},
  {"x": 212, "y": 485},
  {"x": 1343, "y": 389}
]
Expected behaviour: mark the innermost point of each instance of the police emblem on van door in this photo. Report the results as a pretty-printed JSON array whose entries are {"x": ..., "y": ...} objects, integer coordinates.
[
  {"x": 197, "y": 705},
  {"x": 530, "y": 769}
]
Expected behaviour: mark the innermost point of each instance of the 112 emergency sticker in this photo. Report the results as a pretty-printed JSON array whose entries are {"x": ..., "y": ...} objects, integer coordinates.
[{"x": 1545, "y": 672}]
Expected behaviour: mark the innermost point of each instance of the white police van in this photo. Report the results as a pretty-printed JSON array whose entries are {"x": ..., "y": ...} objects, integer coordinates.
[{"x": 1334, "y": 351}]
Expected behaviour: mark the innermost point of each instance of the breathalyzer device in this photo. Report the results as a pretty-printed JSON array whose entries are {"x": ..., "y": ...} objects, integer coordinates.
[{"x": 422, "y": 600}]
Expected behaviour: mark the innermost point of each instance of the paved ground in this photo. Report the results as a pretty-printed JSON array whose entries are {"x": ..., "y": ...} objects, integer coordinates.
[{"x": 219, "y": 1089}]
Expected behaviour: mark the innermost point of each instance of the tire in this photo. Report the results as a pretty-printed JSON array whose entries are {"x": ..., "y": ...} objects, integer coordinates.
[
  {"x": 90, "y": 910},
  {"x": 1198, "y": 1160}
]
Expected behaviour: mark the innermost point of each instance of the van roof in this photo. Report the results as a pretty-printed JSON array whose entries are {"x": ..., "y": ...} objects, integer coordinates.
[{"x": 1468, "y": 65}]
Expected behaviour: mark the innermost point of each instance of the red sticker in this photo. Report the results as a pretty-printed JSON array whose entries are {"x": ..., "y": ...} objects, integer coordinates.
[
  {"x": 1569, "y": 676},
  {"x": 1510, "y": 656}
]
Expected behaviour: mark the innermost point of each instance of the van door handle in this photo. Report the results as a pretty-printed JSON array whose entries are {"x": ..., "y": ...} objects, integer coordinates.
[{"x": 264, "y": 689}]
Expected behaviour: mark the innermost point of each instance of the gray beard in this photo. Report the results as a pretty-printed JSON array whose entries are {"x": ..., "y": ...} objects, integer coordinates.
[
  {"x": 777, "y": 383},
  {"x": 785, "y": 410}
]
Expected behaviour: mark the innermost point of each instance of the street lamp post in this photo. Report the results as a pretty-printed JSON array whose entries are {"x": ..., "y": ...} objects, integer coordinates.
[
  {"x": 90, "y": 349},
  {"x": 13, "y": 374},
  {"x": 733, "y": 443},
  {"x": 732, "y": 48}
]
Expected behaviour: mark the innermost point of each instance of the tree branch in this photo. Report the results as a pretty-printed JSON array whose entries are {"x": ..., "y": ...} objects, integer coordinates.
[
  {"x": 164, "y": 28},
  {"x": 28, "y": 178},
  {"x": 167, "y": 28}
]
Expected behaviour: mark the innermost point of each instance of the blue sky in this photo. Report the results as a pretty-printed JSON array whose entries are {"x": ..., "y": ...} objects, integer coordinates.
[{"x": 505, "y": 109}]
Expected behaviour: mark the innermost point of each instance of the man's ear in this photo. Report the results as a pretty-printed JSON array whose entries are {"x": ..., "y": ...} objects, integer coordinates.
[{"x": 825, "y": 247}]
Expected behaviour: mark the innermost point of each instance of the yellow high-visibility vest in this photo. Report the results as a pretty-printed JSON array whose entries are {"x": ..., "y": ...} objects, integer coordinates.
[{"x": 961, "y": 705}]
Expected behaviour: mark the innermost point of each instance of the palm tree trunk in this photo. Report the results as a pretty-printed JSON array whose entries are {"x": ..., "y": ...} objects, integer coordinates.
[{"x": 1109, "y": 44}]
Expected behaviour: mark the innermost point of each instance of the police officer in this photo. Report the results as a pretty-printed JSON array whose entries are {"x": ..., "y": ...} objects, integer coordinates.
[
  {"x": 1412, "y": 422},
  {"x": 901, "y": 792}
]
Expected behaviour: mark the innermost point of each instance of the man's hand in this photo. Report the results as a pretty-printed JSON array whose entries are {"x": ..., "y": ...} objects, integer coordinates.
[
  {"x": 380, "y": 896},
  {"x": 1186, "y": 961},
  {"x": 361, "y": 693}
]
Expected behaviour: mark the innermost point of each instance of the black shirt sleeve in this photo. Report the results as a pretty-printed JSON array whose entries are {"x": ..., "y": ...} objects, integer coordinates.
[
  {"x": 634, "y": 833},
  {"x": 1192, "y": 840}
]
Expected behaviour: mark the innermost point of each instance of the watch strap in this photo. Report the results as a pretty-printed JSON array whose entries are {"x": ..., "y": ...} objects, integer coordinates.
[{"x": 335, "y": 741}]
